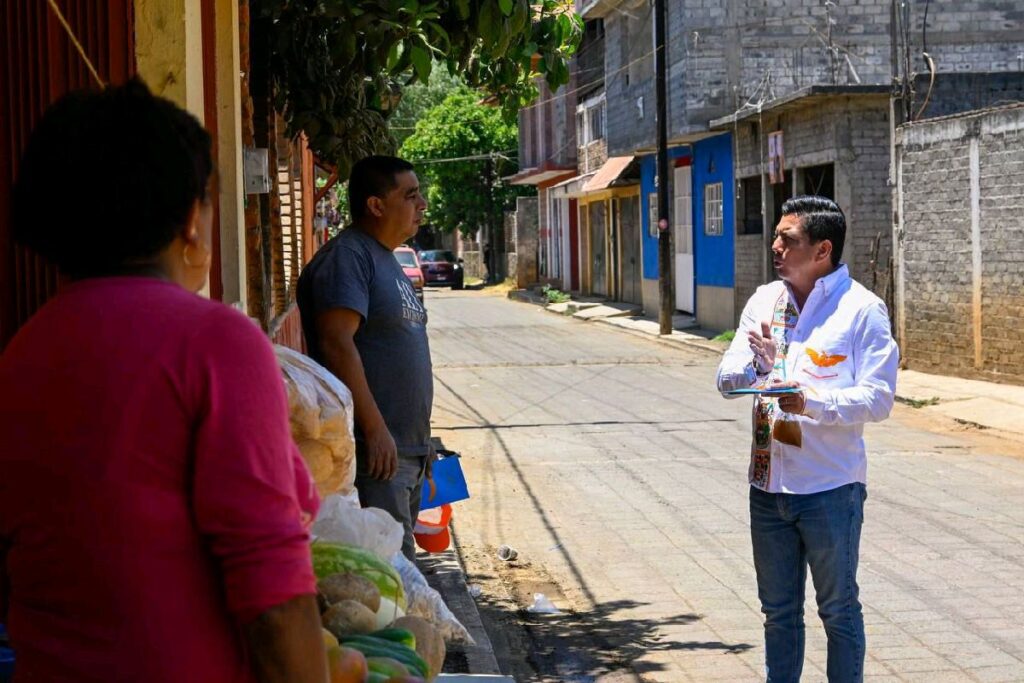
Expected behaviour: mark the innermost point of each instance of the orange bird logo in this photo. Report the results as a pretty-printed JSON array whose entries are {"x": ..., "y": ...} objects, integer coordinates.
[{"x": 824, "y": 360}]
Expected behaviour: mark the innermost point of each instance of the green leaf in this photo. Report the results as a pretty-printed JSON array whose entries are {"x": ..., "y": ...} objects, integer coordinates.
[
  {"x": 565, "y": 27},
  {"x": 462, "y": 9},
  {"x": 421, "y": 63},
  {"x": 487, "y": 24},
  {"x": 506, "y": 7},
  {"x": 521, "y": 16},
  {"x": 394, "y": 55}
]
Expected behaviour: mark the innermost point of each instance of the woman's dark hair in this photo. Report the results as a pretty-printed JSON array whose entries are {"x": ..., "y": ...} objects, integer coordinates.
[
  {"x": 108, "y": 179},
  {"x": 373, "y": 176},
  {"x": 822, "y": 219}
]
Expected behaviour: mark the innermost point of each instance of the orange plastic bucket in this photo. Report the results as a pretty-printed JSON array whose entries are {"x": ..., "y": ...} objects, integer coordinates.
[{"x": 431, "y": 531}]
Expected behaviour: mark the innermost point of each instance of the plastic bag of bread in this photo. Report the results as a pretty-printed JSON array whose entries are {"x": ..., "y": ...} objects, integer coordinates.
[{"x": 320, "y": 412}]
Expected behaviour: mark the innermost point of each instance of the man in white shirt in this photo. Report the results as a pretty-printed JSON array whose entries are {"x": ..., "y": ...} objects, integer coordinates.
[{"x": 826, "y": 339}]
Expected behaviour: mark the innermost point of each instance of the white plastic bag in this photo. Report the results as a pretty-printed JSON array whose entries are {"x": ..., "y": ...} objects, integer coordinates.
[
  {"x": 427, "y": 603},
  {"x": 341, "y": 520},
  {"x": 320, "y": 412}
]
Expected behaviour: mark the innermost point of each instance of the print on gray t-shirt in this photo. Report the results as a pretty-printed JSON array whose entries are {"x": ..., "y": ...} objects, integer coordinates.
[{"x": 355, "y": 271}]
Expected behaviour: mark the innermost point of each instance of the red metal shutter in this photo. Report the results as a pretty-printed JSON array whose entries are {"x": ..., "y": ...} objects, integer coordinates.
[{"x": 38, "y": 64}]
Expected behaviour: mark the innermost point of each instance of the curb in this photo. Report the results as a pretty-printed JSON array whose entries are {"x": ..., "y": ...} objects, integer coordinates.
[
  {"x": 446, "y": 574},
  {"x": 667, "y": 340},
  {"x": 524, "y": 296},
  {"x": 527, "y": 297}
]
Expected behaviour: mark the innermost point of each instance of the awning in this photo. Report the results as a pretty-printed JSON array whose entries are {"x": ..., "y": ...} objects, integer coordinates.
[
  {"x": 609, "y": 174},
  {"x": 571, "y": 188},
  {"x": 539, "y": 174}
]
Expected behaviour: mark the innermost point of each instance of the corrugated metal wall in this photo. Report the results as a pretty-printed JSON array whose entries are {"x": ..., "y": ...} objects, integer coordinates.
[{"x": 38, "y": 64}]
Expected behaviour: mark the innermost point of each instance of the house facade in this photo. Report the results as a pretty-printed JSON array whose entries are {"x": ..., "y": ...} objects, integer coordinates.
[{"x": 793, "y": 97}]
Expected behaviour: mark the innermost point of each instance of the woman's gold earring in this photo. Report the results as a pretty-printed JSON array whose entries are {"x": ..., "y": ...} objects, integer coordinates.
[{"x": 184, "y": 257}]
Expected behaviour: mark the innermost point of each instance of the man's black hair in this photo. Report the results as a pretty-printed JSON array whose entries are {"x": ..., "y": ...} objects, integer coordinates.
[
  {"x": 126, "y": 168},
  {"x": 373, "y": 176},
  {"x": 822, "y": 219}
]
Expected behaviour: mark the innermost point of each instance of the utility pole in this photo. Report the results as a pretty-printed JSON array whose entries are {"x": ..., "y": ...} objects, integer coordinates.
[{"x": 664, "y": 234}]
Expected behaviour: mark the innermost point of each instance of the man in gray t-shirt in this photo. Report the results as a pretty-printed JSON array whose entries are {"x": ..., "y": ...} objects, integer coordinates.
[{"x": 364, "y": 323}]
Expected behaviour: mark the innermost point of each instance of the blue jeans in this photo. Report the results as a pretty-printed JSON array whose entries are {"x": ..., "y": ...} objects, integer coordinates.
[{"x": 821, "y": 530}]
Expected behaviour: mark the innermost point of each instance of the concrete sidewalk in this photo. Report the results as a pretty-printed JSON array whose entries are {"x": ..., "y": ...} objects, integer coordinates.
[
  {"x": 999, "y": 407},
  {"x": 986, "y": 405}
]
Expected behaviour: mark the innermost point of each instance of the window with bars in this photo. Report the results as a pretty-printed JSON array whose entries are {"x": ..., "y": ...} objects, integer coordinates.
[
  {"x": 750, "y": 220},
  {"x": 713, "y": 209}
]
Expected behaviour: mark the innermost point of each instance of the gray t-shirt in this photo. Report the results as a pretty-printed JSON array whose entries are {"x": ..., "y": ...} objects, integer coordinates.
[{"x": 355, "y": 271}]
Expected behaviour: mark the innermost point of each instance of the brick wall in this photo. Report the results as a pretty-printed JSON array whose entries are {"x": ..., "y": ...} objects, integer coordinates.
[
  {"x": 593, "y": 156},
  {"x": 955, "y": 93},
  {"x": 938, "y": 318},
  {"x": 628, "y": 77},
  {"x": 526, "y": 241},
  {"x": 511, "y": 258},
  {"x": 749, "y": 257}
]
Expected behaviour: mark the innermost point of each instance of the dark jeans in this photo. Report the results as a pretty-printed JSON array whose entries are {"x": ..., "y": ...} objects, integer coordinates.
[{"x": 821, "y": 530}]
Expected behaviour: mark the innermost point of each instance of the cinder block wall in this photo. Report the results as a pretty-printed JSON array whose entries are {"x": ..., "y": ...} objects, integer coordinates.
[
  {"x": 722, "y": 51},
  {"x": 526, "y": 241},
  {"x": 749, "y": 257},
  {"x": 943, "y": 326}
]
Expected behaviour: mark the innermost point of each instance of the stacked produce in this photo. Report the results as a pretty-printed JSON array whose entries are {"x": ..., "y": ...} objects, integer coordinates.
[
  {"x": 362, "y": 597},
  {"x": 368, "y": 638}
]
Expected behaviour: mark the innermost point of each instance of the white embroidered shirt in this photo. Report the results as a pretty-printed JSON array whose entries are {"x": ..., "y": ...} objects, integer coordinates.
[{"x": 842, "y": 353}]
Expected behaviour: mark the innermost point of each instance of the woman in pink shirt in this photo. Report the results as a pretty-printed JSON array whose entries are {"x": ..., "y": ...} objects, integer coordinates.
[{"x": 153, "y": 507}]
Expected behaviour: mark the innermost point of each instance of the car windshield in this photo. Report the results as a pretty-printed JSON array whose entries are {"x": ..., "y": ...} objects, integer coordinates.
[
  {"x": 437, "y": 255},
  {"x": 406, "y": 258}
]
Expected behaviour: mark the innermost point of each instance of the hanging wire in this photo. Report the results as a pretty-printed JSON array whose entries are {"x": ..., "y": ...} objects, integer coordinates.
[
  {"x": 928, "y": 60},
  {"x": 78, "y": 45}
]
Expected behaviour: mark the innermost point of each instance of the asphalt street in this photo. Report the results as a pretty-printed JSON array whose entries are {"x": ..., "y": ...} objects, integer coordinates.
[{"x": 614, "y": 468}]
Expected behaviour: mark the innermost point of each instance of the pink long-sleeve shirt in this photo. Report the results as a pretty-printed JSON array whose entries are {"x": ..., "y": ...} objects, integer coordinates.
[{"x": 151, "y": 498}]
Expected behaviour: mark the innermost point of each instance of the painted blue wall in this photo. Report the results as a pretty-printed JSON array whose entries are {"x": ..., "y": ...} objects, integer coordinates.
[
  {"x": 714, "y": 255},
  {"x": 648, "y": 169}
]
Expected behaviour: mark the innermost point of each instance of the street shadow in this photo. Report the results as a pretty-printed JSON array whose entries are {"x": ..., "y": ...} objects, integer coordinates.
[
  {"x": 583, "y": 647},
  {"x": 576, "y": 647}
]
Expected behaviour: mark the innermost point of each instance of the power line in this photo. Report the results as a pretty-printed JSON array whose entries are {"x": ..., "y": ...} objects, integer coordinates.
[{"x": 485, "y": 156}]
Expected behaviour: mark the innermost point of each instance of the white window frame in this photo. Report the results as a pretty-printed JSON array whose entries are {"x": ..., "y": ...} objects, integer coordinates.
[
  {"x": 714, "y": 219},
  {"x": 591, "y": 120},
  {"x": 652, "y": 214}
]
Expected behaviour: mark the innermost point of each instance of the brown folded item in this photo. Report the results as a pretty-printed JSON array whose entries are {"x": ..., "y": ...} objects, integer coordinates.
[{"x": 788, "y": 432}]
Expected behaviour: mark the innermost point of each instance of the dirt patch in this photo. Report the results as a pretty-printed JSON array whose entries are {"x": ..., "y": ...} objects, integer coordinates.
[
  {"x": 581, "y": 644},
  {"x": 974, "y": 436}
]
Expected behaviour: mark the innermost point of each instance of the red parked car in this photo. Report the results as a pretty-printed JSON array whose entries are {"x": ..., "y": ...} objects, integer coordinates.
[
  {"x": 411, "y": 266},
  {"x": 440, "y": 267}
]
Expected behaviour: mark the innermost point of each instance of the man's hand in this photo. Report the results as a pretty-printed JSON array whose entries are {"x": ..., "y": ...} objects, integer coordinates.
[
  {"x": 428, "y": 467},
  {"x": 791, "y": 403},
  {"x": 381, "y": 454},
  {"x": 764, "y": 347}
]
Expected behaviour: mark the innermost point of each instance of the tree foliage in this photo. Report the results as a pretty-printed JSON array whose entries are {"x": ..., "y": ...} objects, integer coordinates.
[
  {"x": 418, "y": 99},
  {"x": 464, "y": 193},
  {"x": 338, "y": 66}
]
